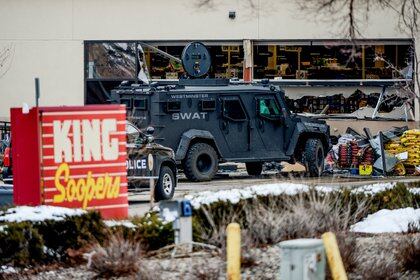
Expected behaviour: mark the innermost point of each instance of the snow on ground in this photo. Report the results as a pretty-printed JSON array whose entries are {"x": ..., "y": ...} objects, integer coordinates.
[
  {"x": 38, "y": 213},
  {"x": 125, "y": 223},
  {"x": 385, "y": 220}
]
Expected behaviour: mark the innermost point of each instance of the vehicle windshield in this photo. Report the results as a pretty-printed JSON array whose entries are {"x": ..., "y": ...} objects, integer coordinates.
[{"x": 134, "y": 135}]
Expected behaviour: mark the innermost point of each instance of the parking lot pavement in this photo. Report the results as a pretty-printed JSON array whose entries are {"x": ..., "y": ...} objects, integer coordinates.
[{"x": 140, "y": 202}]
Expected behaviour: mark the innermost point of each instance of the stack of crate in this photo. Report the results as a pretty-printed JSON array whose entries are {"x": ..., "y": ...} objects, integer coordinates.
[{"x": 409, "y": 142}]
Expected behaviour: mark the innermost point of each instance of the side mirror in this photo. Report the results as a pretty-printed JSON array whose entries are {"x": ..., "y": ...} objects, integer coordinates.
[{"x": 150, "y": 130}]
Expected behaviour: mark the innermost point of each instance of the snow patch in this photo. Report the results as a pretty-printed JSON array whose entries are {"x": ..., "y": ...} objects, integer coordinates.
[
  {"x": 168, "y": 215},
  {"x": 7, "y": 269},
  {"x": 385, "y": 220},
  {"x": 374, "y": 188},
  {"x": 235, "y": 195},
  {"x": 38, "y": 213},
  {"x": 2, "y": 228},
  {"x": 415, "y": 191},
  {"x": 124, "y": 223}
]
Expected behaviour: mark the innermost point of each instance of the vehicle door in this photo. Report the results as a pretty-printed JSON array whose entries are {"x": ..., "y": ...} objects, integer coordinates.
[
  {"x": 234, "y": 124},
  {"x": 137, "y": 152},
  {"x": 270, "y": 124}
]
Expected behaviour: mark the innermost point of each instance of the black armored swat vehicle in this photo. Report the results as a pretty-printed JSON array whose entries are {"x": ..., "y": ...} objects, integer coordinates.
[
  {"x": 148, "y": 160},
  {"x": 208, "y": 121}
]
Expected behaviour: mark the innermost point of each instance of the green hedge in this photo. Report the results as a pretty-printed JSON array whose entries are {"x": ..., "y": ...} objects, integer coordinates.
[
  {"x": 29, "y": 243},
  {"x": 26, "y": 243},
  {"x": 20, "y": 244}
]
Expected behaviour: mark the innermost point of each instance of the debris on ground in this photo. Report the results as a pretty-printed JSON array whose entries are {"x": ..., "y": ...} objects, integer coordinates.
[{"x": 397, "y": 149}]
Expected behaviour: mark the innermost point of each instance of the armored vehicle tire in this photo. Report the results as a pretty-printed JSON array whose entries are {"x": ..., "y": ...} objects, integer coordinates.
[
  {"x": 254, "y": 168},
  {"x": 165, "y": 186},
  {"x": 201, "y": 162},
  {"x": 313, "y": 157}
]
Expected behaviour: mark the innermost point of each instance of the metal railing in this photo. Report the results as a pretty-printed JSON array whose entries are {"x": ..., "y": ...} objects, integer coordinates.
[{"x": 4, "y": 135}]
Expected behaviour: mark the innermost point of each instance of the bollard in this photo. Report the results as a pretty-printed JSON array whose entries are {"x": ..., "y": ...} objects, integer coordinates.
[
  {"x": 333, "y": 256},
  {"x": 233, "y": 251}
]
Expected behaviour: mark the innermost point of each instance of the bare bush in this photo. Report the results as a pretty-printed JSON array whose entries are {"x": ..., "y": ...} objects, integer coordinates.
[
  {"x": 299, "y": 217},
  {"x": 347, "y": 247},
  {"x": 216, "y": 233},
  {"x": 408, "y": 253},
  {"x": 413, "y": 227},
  {"x": 118, "y": 257},
  {"x": 201, "y": 272},
  {"x": 384, "y": 268}
]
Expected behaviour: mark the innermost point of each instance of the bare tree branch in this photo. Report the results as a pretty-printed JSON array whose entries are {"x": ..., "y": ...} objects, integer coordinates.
[{"x": 6, "y": 57}]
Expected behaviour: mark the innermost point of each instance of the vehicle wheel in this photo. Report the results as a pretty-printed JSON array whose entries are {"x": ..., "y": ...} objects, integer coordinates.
[
  {"x": 313, "y": 157},
  {"x": 201, "y": 162},
  {"x": 165, "y": 186},
  {"x": 254, "y": 168}
]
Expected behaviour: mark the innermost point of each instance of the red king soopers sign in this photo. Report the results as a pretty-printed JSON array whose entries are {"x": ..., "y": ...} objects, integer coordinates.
[{"x": 82, "y": 156}]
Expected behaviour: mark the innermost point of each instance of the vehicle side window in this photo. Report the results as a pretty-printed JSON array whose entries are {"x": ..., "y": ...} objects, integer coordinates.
[
  {"x": 268, "y": 108},
  {"x": 233, "y": 110},
  {"x": 207, "y": 105},
  {"x": 173, "y": 106},
  {"x": 127, "y": 102},
  {"x": 140, "y": 104}
]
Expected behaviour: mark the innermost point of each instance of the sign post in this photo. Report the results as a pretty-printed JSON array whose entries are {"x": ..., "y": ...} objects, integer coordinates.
[{"x": 150, "y": 163}]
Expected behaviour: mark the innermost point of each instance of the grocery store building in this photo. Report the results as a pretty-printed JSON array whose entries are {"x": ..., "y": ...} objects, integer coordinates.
[{"x": 81, "y": 50}]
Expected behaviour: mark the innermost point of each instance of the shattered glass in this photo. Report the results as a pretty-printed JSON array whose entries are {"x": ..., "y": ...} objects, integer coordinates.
[{"x": 111, "y": 60}]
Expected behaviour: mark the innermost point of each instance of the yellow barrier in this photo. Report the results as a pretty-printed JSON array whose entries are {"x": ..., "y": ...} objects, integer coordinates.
[
  {"x": 233, "y": 251},
  {"x": 333, "y": 256}
]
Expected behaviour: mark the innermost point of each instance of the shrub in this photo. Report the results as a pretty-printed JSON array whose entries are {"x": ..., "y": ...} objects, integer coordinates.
[
  {"x": 271, "y": 220},
  {"x": 152, "y": 232},
  {"x": 408, "y": 253},
  {"x": 201, "y": 272},
  {"x": 413, "y": 227},
  {"x": 118, "y": 257},
  {"x": 347, "y": 248},
  {"x": 381, "y": 268},
  {"x": 74, "y": 232},
  {"x": 394, "y": 198},
  {"x": 20, "y": 245},
  {"x": 26, "y": 243}
]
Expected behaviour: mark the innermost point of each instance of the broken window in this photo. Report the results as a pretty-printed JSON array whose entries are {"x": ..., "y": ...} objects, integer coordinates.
[
  {"x": 111, "y": 60},
  {"x": 333, "y": 60}
]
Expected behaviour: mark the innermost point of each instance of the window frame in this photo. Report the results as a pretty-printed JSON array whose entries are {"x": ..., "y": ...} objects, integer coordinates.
[
  {"x": 257, "y": 108},
  {"x": 233, "y": 98},
  {"x": 168, "y": 110},
  {"x": 144, "y": 108},
  {"x": 203, "y": 109}
]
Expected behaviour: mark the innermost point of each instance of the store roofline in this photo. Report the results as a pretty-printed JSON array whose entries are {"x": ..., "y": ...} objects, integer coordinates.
[{"x": 302, "y": 42}]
